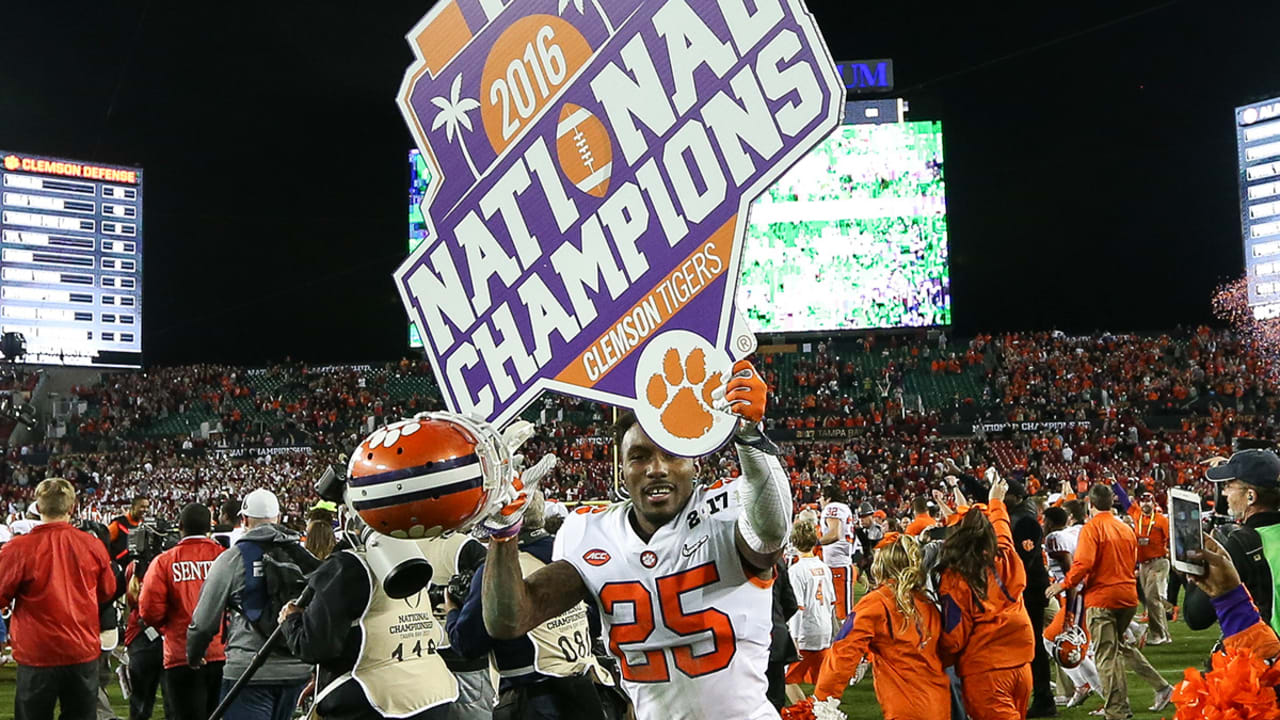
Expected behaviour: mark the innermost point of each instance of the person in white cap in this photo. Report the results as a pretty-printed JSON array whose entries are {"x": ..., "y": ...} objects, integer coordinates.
[{"x": 236, "y": 581}]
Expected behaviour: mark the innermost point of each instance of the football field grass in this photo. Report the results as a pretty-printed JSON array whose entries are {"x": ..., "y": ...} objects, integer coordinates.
[{"x": 1188, "y": 649}]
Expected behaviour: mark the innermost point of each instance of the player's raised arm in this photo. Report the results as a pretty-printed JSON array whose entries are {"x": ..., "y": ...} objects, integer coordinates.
[
  {"x": 513, "y": 604},
  {"x": 764, "y": 492}
]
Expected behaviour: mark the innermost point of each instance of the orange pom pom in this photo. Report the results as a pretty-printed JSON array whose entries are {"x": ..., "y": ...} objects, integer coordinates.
[
  {"x": 1240, "y": 687},
  {"x": 802, "y": 710}
]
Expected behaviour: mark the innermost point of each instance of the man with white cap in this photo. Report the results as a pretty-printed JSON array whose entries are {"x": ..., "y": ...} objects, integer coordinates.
[{"x": 236, "y": 581}]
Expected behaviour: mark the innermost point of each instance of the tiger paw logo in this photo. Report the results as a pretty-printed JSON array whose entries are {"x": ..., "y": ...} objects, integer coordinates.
[
  {"x": 681, "y": 374},
  {"x": 687, "y": 412},
  {"x": 11, "y": 162}
]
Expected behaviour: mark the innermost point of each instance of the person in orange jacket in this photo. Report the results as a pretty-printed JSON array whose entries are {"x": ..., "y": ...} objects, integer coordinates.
[
  {"x": 986, "y": 628},
  {"x": 1152, "y": 530},
  {"x": 1106, "y": 554},
  {"x": 170, "y": 591},
  {"x": 898, "y": 628}
]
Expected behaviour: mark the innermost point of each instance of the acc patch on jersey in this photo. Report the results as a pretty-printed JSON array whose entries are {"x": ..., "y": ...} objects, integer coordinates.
[{"x": 596, "y": 558}]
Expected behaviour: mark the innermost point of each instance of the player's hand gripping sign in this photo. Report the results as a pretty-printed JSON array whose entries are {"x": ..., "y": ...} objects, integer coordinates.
[{"x": 594, "y": 160}]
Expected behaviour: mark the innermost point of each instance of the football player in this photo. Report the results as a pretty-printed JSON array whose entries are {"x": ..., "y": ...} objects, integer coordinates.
[
  {"x": 681, "y": 572},
  {"x": 839, "y": 544}
]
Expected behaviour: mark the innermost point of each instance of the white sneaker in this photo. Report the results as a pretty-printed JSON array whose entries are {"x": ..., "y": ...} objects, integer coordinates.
[
  {"x": 1082, "y": 694},
  {"x": 1136, "y": 635},
  {"x": 1162, "y": 699},
  {"x": 861, "y": 672}
]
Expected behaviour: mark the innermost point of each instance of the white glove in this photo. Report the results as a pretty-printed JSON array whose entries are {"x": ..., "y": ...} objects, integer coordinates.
[
  {"x": 517, "y": 434},
  {"x": 505, "y": 522}
]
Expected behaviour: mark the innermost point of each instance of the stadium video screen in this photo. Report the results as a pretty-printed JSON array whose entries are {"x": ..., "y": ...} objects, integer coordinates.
[
  {"x": 71, "y": 260},
  {"x": 419, "y": 180},
  {"x": 853, "y": 237}
]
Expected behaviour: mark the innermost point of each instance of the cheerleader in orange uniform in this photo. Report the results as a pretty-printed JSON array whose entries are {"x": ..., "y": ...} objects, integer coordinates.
[
  {"x": 986, "y": 628},
  {"x": 898, "y": 627}
]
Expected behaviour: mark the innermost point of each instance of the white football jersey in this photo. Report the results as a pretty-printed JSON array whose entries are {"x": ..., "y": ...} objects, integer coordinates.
[
  {"x": 1063, "y": 540},
  {"x": 688, "y": 626},
  {"x": 815, "y": 591},
  {"x": 840, "y": 552}
]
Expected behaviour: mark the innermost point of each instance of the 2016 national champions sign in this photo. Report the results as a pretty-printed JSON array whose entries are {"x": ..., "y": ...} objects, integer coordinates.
[{"x": 596, "y": 159}]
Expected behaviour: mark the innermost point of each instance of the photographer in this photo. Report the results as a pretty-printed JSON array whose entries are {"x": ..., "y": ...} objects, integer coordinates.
[
  {"x": 237, "y": 581},
  {"x": 56, "y": 576},
  {"x": 1251, "y": 486},
  {"x": 549, "y": 674},
  {"x": 378, "y": 656},
  {"x": 454, "y": 561},
  {"x": 170, "y": 592},
  {"x": 120, "y": 527}
]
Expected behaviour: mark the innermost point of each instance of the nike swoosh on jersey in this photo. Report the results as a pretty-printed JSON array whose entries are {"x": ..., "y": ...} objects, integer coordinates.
[{"x": 689, "y": 551}]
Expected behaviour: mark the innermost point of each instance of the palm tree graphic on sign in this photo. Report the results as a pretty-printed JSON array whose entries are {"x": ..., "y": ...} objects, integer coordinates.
[
  {"x": 578, "y": 4},
  {"x": 453, "y": 113}
]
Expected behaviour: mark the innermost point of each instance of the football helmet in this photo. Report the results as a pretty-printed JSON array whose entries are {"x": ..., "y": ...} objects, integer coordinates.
[
  {"x": 428, "y": 476},
  {"x": 1070, "y": 646}
]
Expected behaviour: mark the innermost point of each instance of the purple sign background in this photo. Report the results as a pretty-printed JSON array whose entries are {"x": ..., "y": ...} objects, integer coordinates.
[{"x": 595, "y": 168}]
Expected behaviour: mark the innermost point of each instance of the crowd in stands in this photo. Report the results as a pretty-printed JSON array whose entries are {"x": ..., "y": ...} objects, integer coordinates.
[{"x": 1146, "y": 409}]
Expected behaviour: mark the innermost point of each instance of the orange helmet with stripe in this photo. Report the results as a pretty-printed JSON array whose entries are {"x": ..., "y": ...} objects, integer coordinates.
[{"x": 427, "y": 476}]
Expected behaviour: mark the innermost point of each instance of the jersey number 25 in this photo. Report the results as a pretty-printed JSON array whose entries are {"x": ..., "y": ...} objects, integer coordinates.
[{"x": 694, "y": 625}]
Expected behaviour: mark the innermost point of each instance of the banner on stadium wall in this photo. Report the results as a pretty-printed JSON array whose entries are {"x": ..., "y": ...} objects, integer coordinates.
[
  {"x": 245, "y": 452},
  {"x": 1030, "y": 426},
  {"x": 832, "y": 433},
  {"x": 596, "y": 161}
]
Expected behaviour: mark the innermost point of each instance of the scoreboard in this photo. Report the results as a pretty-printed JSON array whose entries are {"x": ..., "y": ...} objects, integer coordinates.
[
  {"x": 71, "y": 260},
  {"x": 1258, "y": 147}
]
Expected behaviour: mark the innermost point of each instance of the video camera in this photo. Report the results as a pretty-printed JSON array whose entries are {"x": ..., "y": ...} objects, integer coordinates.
[{"x": 148, "y": 540}]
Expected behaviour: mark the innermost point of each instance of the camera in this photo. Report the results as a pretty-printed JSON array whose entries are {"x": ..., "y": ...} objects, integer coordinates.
[
  {"x": 148, "y": 540},
  {"x": 459, "y": 587}
]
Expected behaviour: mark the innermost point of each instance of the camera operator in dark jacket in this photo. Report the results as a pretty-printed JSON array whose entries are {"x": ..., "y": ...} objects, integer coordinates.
[
  {"x": 552, "y": 672},
  {"x": 1251, "y": 487},
  {"x": 378, "y": 656}
]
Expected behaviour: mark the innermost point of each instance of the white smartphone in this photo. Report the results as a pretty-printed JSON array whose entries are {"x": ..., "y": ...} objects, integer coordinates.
[{"x": 1186, "y": 530}]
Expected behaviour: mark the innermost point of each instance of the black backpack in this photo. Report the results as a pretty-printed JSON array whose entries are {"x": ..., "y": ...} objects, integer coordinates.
[{"x": 275, "y": 574}]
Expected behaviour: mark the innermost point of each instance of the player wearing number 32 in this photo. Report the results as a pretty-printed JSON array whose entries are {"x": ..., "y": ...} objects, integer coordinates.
[{"x": 681, "y": 572}]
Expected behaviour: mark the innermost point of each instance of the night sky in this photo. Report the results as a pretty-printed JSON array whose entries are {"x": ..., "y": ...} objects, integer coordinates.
[{"x": 1090, "y": 155}]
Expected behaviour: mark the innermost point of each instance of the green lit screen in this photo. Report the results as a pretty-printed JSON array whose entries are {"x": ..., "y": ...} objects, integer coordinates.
[
  {"x": 853, "y": 237},
  {"x": 419, "y": 180}
]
